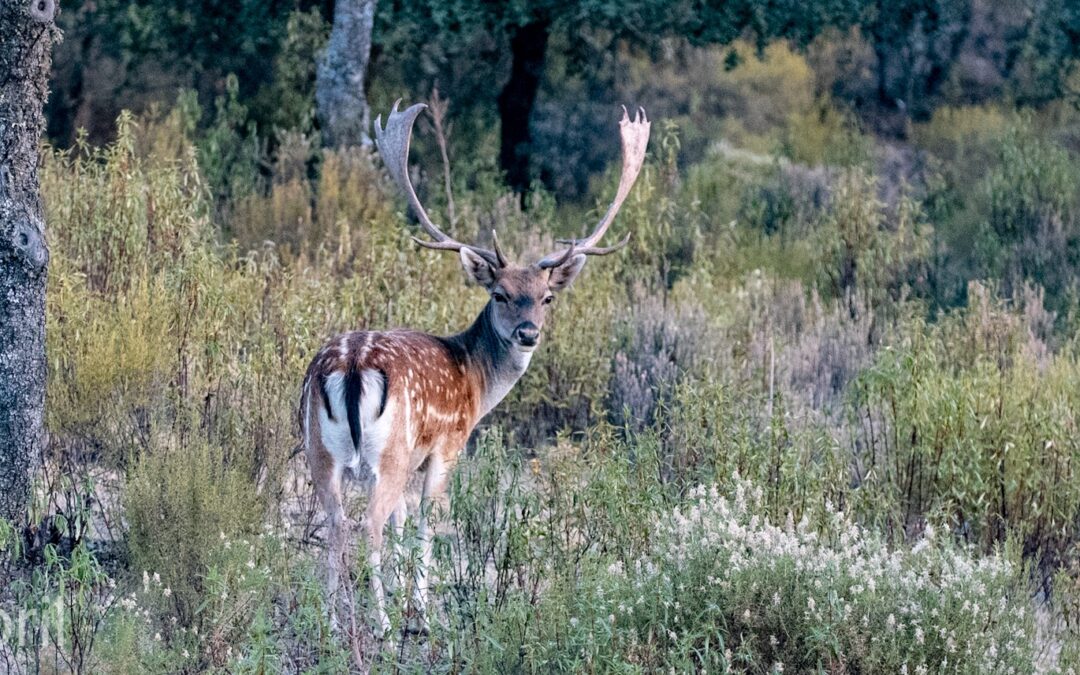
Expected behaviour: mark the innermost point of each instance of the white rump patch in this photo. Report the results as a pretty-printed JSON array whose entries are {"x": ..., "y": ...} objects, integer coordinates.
[{"x": 374, "y": 429}]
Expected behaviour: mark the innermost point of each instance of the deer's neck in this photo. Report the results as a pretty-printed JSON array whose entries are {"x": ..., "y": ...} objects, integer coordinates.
[{"x": 497, "y": 360}]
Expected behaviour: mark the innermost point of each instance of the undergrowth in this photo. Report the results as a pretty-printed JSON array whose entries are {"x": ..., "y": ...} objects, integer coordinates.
[{"x": 887, "y": 481}]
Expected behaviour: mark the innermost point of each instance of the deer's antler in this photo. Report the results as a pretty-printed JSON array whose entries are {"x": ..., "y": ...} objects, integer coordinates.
[
  {"x": 635, "y": 138},
  {"x": 393, "y": 144}
]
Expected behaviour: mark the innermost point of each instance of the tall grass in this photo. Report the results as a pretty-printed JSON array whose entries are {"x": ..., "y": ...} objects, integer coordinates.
[{"x": 752, "y": 340}]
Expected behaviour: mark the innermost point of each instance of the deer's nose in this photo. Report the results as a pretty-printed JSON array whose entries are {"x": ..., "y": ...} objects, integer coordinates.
[{"x": 527, "y": 334}]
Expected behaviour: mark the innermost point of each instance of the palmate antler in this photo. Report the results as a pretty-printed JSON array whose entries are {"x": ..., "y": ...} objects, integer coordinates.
[
  {"x": 393, "y": 144},
  {"x": 635, "y": 138}
]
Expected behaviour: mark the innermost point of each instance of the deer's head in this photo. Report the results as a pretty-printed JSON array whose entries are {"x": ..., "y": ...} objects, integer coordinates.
[{"x": 520, "y": 294}]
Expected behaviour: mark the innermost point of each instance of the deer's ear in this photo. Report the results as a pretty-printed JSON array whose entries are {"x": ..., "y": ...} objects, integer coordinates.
[
  {"x": 563, "y": 275},
  {"x": 477, "y": 268}
]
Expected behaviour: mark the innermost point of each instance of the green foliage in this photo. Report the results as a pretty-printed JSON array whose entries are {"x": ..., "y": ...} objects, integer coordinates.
[
  {"x": 823, "y": 134},
  {"x": 710, "y": 583},
  {"x": 229, "y": 151},
  {"x": 744, "y": 100},
  {"x": 970, "y": 423},
  {"x": 861, "y": 252},
  {"x": 965, "y": 136},
  {"x": 1033, "y": 183},
  {"x": 108, "y": 227},
  {"x": 261, "y": 610},
  {"x": 1048, "y": 49},
  {"x": 179, "y": 498},
  {"x": 1016, "y": 222},
  {"x": 290, "y": 97},
  {"x": 205, "y": 41},
  {"x": 722, "y": 342},
  {"x": 915, "y": 42},
  {"x": 721, "y": 588},
  {"x": 58, "y": 608}
]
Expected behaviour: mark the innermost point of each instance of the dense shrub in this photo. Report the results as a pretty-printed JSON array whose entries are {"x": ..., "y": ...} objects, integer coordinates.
[
  {"x": 177, "y": 501},
  {"x": 735, "y": 92},
  {"x": 823, "y": 134},
  {"x": 758, "y": 325},
  {"x": 964, "y": 135},
  {"x": 862, "y": 251},
  {"x": 971, "y": 423}
]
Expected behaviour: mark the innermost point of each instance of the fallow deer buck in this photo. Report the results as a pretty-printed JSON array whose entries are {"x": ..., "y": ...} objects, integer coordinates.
[{"x": 402, "y": 401}]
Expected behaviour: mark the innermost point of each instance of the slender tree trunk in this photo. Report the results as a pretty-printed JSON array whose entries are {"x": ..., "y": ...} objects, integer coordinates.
[
  {"x": 27, "y": 33},
  {"x": 342, "y": 105},
  {"x": 529, "y": 47}
]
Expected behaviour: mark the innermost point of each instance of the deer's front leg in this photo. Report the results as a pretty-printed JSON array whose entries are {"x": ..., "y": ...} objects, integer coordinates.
[{"x": 397, "y": 528}]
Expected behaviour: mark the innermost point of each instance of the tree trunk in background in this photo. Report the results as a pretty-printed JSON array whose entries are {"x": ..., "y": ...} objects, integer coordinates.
[
  {"x": 344, "y": 116},
  {"x": 25, "y": 58},
  {"x": 528, "y": 46}
]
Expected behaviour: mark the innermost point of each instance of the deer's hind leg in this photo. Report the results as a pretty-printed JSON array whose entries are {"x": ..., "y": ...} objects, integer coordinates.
[
  {"x": 328, "y": 449},
  {"x": 326, "y": 475},
  {"x": 386, "y": 498}
]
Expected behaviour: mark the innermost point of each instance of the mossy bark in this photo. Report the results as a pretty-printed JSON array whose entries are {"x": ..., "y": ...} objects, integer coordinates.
[
  {"x": 27, "y": 34},
  {"x": 344, "y": 116}
]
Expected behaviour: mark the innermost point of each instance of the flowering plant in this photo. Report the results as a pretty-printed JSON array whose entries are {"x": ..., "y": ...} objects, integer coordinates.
[{"x": 721, "y": 588}]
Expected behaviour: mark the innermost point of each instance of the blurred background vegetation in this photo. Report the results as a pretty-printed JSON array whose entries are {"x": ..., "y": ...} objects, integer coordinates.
[{"x": 852, "y": 286}]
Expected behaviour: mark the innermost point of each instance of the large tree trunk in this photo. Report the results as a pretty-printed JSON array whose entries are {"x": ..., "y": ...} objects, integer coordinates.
[
  {"x": 344, "y": 116},
  {"x": 27, "y": 33},
  {"x": 528, "y": 47}
]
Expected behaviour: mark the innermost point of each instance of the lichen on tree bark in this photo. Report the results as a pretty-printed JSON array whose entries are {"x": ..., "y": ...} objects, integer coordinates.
[
  {"x": 29, "y": 32},
  {"x": 344, "y": 116}
]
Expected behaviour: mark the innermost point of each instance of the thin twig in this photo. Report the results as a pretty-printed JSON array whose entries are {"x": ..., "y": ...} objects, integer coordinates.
[{"x": 438, "y": 108}]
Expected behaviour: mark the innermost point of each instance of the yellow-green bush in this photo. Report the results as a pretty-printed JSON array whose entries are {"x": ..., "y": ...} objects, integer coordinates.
[
  {"x": 181, "y": 497},
  {"x": 860, "y": 250},
  {"x": 181, "y": 319},
  {"x": 961, "y": 133},
  {"x": 972, "y": 423},
  {"x": 824, "y": 134},
  {"x": 733, "y": 92}
]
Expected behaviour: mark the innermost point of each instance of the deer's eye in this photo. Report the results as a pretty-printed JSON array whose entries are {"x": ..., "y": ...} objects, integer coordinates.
[
  {"x": 548, "y": 299},
  {"x": 499, "y": 297}
]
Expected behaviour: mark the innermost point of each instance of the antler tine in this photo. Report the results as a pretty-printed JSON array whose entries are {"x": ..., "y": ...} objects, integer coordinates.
[
  {"x": 635, "y": 138},
  {"x": 498, "y": 252},
  {"x": 393, "y": 143},
  {"x": 597, "y": 250},
  {"x": 554, "y": 261}
]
